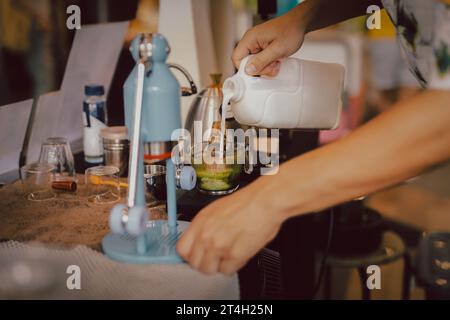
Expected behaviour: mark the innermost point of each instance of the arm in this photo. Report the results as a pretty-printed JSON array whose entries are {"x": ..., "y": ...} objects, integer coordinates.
[
  {"x": 283, "y": 36},
  {"x": 408, "y": 138},
  {"x": 400, "y": 143}
]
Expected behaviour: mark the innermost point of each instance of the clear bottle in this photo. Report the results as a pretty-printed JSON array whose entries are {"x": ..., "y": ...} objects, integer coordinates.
[
  {"x": 305, "y": 94},
  {"x": 94, "y": 120}
]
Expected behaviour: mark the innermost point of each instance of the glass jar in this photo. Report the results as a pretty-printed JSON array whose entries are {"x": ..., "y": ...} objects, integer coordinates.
[{"x": 218, "y": 173}]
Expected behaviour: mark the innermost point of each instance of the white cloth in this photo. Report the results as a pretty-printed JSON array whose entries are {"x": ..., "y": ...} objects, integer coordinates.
[{"x": 34, "y": 271}]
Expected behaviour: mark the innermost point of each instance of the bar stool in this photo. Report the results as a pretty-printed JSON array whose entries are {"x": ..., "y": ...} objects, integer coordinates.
[{"x": 392, "y": 248}]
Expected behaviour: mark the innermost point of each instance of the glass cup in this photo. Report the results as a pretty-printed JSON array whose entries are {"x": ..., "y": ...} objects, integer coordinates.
[
  {"x": 214, "y": 176},
  {"x": 36, "y": 181},
  {"x": 56, "y": 152},
  {"x": 102, "y": 184}
]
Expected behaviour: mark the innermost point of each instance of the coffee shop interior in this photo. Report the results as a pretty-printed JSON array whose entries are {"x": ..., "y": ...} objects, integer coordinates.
[{"x": 70, "y": 168}]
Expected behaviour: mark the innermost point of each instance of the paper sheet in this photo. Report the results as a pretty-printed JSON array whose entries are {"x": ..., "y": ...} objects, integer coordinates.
[
  {"x": 13, "y": 126},
  {"x": 45, "y": 123},
  {"x": 93, "y": 58}
]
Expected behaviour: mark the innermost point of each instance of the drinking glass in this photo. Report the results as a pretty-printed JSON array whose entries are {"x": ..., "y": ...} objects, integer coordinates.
[
  {"x": 102, "y": 183},
  {"x": 36, "y": 181},
  {"x": 56, "y": 152},
  {"x": 217, "y": 177}
]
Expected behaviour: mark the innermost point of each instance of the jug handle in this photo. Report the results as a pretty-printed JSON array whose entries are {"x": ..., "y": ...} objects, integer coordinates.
[{"x": 185, "y": 91}]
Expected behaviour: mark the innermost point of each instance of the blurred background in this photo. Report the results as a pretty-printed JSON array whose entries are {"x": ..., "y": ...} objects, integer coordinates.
[
  {"x": 35, "y": 45},
  {"x": 35, "y": 42}
]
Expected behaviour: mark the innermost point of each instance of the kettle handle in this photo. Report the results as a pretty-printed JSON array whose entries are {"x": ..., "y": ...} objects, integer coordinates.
[{"x": 185, "y": 91}]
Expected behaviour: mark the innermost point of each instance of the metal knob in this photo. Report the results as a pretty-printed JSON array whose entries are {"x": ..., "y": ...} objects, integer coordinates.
[{"x": 186, "y": 178}]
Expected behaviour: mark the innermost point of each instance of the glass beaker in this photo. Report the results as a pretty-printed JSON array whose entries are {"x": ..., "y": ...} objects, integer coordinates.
[
  {"x": 103, "y": 184},
  {"x": 218, "y": 173},
  {"x": 36, "y": 181},
  {"x": 57, "y": 152}
]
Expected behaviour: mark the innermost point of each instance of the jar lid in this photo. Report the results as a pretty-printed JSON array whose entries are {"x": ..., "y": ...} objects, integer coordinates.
[
  {"x": 115, "y": 133},
  {"x": 94, "y": 90}
]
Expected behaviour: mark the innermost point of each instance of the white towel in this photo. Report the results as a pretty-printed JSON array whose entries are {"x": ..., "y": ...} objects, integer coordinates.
[{"x": 33, "y": 271}]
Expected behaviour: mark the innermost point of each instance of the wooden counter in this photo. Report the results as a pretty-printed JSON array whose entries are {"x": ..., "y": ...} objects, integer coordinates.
[{"x": 67, "y": 220}]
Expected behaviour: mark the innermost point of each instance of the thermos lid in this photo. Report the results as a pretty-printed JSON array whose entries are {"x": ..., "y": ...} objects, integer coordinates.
[
  {"x": 94, "y": 90},
  {"x": 114, "y": 133}
]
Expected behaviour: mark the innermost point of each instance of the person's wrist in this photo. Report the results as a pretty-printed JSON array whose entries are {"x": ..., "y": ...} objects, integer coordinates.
[
  {"x": 304, "y": 14},
  {"x": 268, "y": 199}
]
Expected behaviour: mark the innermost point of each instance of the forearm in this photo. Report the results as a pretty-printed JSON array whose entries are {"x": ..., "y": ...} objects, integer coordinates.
[
  {"x": 318, "y": 14},
  {"x": 400, "y": 143}
]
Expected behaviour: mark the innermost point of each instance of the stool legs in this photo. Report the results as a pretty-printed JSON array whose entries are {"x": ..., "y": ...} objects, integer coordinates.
[
  {"x": 407, "y": 270},
  {"x": 328, "y": 282},
  {"x": 406, "y": 276},
  {"x": 363, "y": 277}
]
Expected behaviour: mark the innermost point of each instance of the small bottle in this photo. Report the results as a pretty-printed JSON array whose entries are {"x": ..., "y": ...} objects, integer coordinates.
[
  {"x": 305, "y": 94},
  {"x": 94, "y": 120}
]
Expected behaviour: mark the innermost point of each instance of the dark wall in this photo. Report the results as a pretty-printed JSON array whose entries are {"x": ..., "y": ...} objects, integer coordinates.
[{"x": 16, "y": 82}]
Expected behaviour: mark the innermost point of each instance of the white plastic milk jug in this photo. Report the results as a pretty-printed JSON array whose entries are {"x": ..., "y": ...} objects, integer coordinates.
[{"x": 305, "y": 94}]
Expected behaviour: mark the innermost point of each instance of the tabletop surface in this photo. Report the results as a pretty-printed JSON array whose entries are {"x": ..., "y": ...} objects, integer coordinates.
[
  {"x": 422, "y": 203},
  {"x": 72, "y": 223},
  {"x": 67, "y": 220}
]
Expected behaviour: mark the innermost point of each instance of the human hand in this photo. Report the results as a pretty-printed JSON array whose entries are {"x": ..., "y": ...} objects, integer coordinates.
[
  {"x": 270, "y": 41},
  {"x": 228, "y": 232}
]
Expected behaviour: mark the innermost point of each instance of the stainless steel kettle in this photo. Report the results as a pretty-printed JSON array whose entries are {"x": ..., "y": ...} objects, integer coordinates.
[{"x": 205, "y": 106}]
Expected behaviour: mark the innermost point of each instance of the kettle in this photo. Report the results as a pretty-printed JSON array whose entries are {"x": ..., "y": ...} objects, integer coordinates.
[
  {"x": 206, "y": 109},
  {"x": 205, "y": 106}
]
